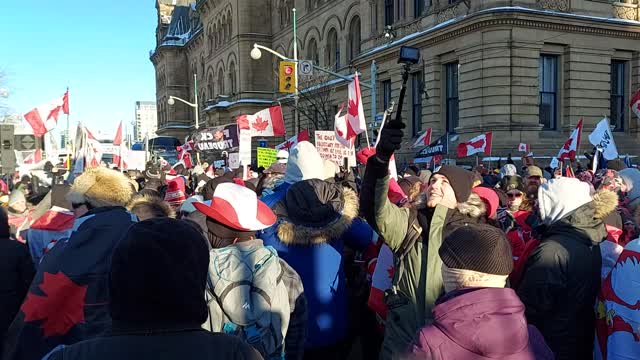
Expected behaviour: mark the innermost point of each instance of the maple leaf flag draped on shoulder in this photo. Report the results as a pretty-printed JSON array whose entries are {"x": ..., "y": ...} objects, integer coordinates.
[
  {"x": 343, "y": 129},
  {"x": 355, "y": 109},
  {"x": 479, "y": 144},
  {"x": 423, "y": 140},
  {"x": 294, "y": 140},
  {"x": 570, "y": 147},
  {"x": 45, "y": 117},
  {"x": 635, "y": 103},
  {"x": 267, "y": 122},
  {"x": 120, "y": 159}
]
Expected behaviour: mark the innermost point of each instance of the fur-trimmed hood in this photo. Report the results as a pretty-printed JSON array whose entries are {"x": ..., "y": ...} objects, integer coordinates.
[
  {"x": 474, "y": 207},
  {"x": 154, "y": 205},
  {"x": 315, "y": 212},
  {"x": 100, "y": 187},
  {"x": 605, "y": 202}
]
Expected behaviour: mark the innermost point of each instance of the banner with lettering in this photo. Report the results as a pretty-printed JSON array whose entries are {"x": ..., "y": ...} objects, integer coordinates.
[
  {"x": 216, "y": 139},
  {"x": 438, "y": 147},
  {"x": 266, "y": 156},
  {"x": 331, "y": 149}
]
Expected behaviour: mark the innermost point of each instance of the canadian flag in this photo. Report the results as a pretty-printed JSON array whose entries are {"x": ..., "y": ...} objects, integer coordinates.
[
  {"x": 381, "y": 281},
  {"x": 479, "y": 144},
  {"x": 355, "y": 109},
  {"x": 184, "y": 155},
  {"x": 523, "y": 148},
  {"x": 423, "y": 140},
  {"x": 31, "y": 157},
  {"x": 635, "y": 103},
  {"x": 121, "y": 158},
  {"x": 570, "y": 147},
  {"x": 93, "y": 150},
  {"x": 343, "y": 130},
  {"x": 267, "y": 122},
  {"x": 294, "y": 140},
  {"x": 45, "y": 117}
]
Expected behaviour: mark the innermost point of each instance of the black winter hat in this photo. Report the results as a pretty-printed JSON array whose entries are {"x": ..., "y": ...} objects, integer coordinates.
[
  {"x": 461, "y": 181},
  {"x": 483, "y": 248},
  {"x": 158, "y": 275}
]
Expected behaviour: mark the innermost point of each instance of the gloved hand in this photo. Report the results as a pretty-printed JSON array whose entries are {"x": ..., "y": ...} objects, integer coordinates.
[{"x": 390, "y": 140}]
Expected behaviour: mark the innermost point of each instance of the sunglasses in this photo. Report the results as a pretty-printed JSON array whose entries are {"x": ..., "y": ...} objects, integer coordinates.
[{"x": 516, "y": 195}]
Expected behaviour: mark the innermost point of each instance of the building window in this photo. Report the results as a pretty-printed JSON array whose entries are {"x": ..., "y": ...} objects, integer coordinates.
[
  {"x": 388, "y": 12},
  {"x": 209, "y": 88},
  {"x": 618, "y": 86},
  {"x": 354, "y": 38},
  {"x": 220, "y": 82},
  {"x": 232, "y": 78},
  {"x": 401, "y": 9},
  {"x": 416, "y": 102},
  {"x": 418, "y": 8},
  {"x": 451, "y": 88},
  {"x": 548, "y": 75},
  {"x": 312, "y": 52},
  {"x": 386, "y": 94},
  {"x": 333, "y": 50}
]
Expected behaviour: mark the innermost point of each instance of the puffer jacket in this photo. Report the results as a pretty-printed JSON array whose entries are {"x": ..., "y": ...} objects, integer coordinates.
[
  {"x": 418, "y": 234},
  {"x": 561, "y": 280},
  {"x": 317, "y": 256}
]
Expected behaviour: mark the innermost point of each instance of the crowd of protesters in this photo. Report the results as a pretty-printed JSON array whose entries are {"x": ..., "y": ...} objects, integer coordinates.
[{"x": 306, "y": 260}]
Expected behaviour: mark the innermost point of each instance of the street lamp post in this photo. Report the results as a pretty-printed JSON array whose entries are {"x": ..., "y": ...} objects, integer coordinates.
[{"x": 172, "y": 100}]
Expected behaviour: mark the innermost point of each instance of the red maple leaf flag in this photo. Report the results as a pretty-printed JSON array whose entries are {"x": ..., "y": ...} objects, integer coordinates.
[
  {"x": 423, "y": 140},
  {"x": 635, "y": 103},
  {"x": 343, "y": 130},
  {"x": 294, "y": 140},
  {"x": 45, "y": 117},
  {"x": 570, "y": 147},
  {"x": 355, "y": 109},
  {"x": 267, "y": 122},
  {"x": 479, "y": 144},
  {"x": 60, "y": 308},
  {"x": 120, "y": 159}
]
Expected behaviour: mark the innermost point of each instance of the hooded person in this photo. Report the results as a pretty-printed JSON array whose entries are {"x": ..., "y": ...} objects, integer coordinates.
[
  {"x": 472, "y": 318},
  {"x": 304, "y": 163},
  {"x": 316, "y": 219},
  {"x": 158, "y": 256},
  {"x": 271, "y": 179},
  {"x": 17, "y": 272},
  {"x": 414, "y": 236},
  {"x": 74, "y": 273},
  {"x": 561, "y": 276},
  {"x": 274, "y": 327},
  {"x": 631, "y": 179}
]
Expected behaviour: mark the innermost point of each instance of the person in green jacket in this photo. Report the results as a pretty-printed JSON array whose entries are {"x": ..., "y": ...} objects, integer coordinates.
[{"x": 414, "y": 235}]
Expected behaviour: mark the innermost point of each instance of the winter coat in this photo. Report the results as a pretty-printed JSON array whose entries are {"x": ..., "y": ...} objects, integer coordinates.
[
  {"x": 76, "y": 270},
  {"x": 16, "y": 273},
  {"x": 561, "y": 279},
  {"x": 163, "y": 345},
  {"x": 317, "y": 256},
  {"x": 418, "y": 234},
  {"x": 481, "y": 323}
]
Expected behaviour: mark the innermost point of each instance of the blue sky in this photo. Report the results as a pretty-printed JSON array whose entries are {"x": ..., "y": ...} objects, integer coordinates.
[{"x": 99, "y": 49}]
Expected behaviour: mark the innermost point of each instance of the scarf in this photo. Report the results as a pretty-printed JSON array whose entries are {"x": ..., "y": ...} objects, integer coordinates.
[{"x": 454, "y": 279}]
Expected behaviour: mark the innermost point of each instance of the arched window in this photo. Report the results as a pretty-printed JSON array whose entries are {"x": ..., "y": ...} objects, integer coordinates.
[
  {"x": 220, "y": 82},
  {"x": 354, "y": 38},
  {"x": 229, "y": 28},
  {"x": 202, "y": 74},
  {"x": 332, "y": 57},
  {"x": 232, "y": 78},
  {"x": 312, "y": 52},
  {"x": 209, "y": 88}
]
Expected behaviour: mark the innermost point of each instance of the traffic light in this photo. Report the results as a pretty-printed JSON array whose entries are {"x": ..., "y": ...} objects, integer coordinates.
[{"x": 287, "y": 77}]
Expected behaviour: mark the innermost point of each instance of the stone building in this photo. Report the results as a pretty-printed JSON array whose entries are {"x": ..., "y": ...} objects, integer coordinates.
[{"x": 527, "y": 70}]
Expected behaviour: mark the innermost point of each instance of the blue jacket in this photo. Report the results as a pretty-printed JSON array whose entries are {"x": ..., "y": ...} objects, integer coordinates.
[{"x": 322, "y": 271}]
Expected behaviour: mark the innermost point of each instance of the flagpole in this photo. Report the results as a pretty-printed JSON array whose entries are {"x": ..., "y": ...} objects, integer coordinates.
[{"x": 66, "y": 140}]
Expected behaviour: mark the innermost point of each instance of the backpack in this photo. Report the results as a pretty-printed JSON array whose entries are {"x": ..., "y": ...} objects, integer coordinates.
[{"x": 247, "y": 298}]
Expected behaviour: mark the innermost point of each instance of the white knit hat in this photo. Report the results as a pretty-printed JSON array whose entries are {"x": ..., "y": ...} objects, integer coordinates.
[{"x": 558, "y": 198}]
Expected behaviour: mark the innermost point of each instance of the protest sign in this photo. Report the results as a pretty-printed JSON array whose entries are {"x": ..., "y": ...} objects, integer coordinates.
[
  {"x": 330, "y": 149},
  {"x": 234, "y": 160},
  {"x": 266, "y": 156},
  {"x": 216, "y": 139}
]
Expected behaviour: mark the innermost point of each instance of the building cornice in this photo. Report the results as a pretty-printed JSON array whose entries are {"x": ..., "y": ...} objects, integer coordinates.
[{"x": 512, "y": 17}]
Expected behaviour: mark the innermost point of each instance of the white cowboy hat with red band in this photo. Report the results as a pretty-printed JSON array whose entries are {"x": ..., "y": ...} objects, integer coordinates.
[{"x": 238, "y": 208}]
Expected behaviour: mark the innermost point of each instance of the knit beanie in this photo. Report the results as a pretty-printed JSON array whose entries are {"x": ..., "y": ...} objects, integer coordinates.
[
  {"x": 461, "y": 181},
  {"x": 304, "y": 163},
  {"x": 482, "y": 248},
  {"x": 158, "y": 275}
]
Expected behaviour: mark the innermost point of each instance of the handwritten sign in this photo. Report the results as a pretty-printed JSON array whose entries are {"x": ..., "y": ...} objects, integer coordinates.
[
  {"x": 330, "y": 149},
  {"x": 266, "y": 156}
]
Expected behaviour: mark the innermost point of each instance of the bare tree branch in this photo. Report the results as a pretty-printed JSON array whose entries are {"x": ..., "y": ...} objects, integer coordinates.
[{"x": 314, "y": 102}]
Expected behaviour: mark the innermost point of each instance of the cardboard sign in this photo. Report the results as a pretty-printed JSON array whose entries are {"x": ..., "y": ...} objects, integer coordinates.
[
  {"x": 234, "y": 160},
  {"x": 266, "y": 156},
  {"x": 330, "y": 149}
]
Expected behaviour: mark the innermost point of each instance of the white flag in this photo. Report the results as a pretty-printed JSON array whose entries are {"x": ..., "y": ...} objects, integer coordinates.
[{"x": 603, "y": 138}]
